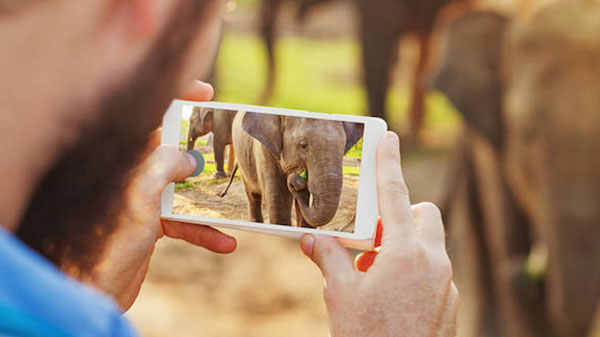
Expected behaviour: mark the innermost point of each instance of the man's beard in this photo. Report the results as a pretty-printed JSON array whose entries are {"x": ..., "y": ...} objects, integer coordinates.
[{"x": 74, "y": 208}]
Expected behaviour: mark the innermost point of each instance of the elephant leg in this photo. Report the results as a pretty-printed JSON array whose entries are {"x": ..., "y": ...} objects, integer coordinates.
[
  {"x": 231, "y": 159},
  {"x": 573, "y": 277},
  {"x": 254, "y": 207},
  {"x": 379, "y": 40},
  {"x": 471, "y": 260},
  {"x": 219, "y": 151},
  {"x": 278, "y": 201},
  {"x": 417, "y": 109},
  {"x": 520, "y": 300},
  {"x": 268, "y": 12}
]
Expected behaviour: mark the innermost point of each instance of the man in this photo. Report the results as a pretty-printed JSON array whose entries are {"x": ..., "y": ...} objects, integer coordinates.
[{"x": 83, "y": 88}]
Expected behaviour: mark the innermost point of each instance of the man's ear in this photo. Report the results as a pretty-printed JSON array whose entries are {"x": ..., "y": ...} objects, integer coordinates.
[
  {"x": 354, "y": 132},
  {"x": 266, "y": 128}
]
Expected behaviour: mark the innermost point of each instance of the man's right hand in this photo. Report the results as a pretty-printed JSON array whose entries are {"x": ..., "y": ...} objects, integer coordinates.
[{"x": 405, "y": 288}]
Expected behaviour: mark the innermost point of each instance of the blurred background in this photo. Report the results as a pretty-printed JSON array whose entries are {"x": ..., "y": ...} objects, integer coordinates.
[{"x": 498, "y": 108}]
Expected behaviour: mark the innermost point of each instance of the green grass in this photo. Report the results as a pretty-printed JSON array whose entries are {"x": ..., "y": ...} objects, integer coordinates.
[
  {"x": 184, "y": 185},
  {"x": 355, "y": 151},
  {"x": 315, "y": 75},
  {"x": 351, "y": 170}
]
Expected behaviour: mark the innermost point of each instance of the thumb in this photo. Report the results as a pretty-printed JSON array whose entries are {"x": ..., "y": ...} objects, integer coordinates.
[
  {"x": 167, "y": 164},
  {"x": 328, "y": 254}
]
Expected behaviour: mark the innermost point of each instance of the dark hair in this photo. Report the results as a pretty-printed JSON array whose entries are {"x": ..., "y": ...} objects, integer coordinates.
[{"x": 75, "y": 207}]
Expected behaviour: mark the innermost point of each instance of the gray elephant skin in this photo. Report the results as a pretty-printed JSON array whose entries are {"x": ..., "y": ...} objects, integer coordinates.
[
  {"x": 272, "y": 151},
  {"x": 529, "y": 94},
  {"x": 219, "y": 122},
  {"x": 382, "y": 24}
]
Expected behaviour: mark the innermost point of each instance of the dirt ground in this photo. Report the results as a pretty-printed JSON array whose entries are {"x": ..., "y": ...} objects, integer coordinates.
[{"x": 203, "y": 200}]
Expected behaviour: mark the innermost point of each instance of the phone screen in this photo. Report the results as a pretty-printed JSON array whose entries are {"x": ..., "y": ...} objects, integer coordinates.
[{"x": 273, "y": 169}]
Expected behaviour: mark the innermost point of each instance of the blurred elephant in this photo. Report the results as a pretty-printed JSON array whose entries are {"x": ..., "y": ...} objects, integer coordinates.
[
  {"x": 287, "y": 159},
  {"x": 217, "y": 121},
  {"x": 382, "y": 24},
  {"x": 529, "y": 93}
]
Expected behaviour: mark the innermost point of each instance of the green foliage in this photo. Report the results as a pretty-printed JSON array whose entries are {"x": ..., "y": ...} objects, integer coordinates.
[{"x": 315, "y": 75}]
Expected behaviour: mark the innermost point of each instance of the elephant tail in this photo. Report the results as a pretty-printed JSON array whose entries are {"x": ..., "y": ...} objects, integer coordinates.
[{"x": 224, "y": 193}]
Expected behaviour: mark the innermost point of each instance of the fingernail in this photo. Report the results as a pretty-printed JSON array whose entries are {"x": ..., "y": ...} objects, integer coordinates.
[
  {"x": 307, "y": 244},
  {"x": 207, "y": 86},
  {"x": 392, "y": 137}
]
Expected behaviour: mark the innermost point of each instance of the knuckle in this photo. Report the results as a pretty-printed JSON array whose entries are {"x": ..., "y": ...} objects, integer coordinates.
[
  {"x": 412, "y": 252},
  {"x": 443, "y": 270},
  {"x": 454, "y": 291},
  {"x": 397, "y": 185},
  {"x": 429, "y": 209}
]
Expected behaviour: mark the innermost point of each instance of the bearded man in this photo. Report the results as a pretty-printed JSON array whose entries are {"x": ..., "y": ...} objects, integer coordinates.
[{"x": 83, "y": 88}]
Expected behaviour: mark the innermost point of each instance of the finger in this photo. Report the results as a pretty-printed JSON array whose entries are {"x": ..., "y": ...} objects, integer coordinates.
[
  {"x": 365, "y": 260},
  {"x": 429, "y": 225},
  {"x": 198, "y": 91},
  {"x": 328, "y": 254},
  {"x": 167, "y": 164},
  {"x": 155, "y": 139},
  {"x": 199, "y": 235},
  {"x": 392, "y": 193}
]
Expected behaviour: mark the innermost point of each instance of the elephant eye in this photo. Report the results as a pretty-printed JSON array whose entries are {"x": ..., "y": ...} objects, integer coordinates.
[{"x": 303, "y": 144}]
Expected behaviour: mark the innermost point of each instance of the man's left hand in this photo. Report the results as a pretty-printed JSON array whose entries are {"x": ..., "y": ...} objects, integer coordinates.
[{"x": 127, "y": 256}]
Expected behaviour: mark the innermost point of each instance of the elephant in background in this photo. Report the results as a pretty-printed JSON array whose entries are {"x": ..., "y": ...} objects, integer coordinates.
[
  {"x": 529, "y": 92},
  {"x": 274, "y": 152},
  {"x": 382, "y": 24},
  {"x": 219, "y": 122}
]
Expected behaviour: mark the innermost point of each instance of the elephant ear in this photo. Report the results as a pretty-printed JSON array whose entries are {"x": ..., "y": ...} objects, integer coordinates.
[
  {"x": 196, "y": 113},
  {"x": 354, "y": 132},
  {"x": 207, "y": 116},
  {"x": 266, "y": 128}
]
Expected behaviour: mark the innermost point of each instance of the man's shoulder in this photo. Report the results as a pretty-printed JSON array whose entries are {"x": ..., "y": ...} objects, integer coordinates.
[{"x": 35, "y": 294}]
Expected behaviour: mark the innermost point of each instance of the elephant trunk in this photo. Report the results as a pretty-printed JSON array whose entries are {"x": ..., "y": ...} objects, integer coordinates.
[
  {"x": 320, "y": 199},
  {"x": 191, "y": 142}
]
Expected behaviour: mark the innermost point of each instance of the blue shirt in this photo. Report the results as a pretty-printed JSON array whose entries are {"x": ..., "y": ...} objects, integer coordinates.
[{"x": 37, "y": 299}]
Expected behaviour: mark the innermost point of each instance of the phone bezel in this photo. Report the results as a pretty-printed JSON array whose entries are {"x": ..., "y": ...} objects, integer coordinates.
[{"x": 366, "y": 208}]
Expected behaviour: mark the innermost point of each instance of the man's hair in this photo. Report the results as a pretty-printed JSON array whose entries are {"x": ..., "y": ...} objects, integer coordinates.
[{"x": 75, "y": 207}]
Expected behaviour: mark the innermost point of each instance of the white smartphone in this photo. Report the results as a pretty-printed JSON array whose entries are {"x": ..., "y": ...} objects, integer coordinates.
[{"x": 276, "y": 171}]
